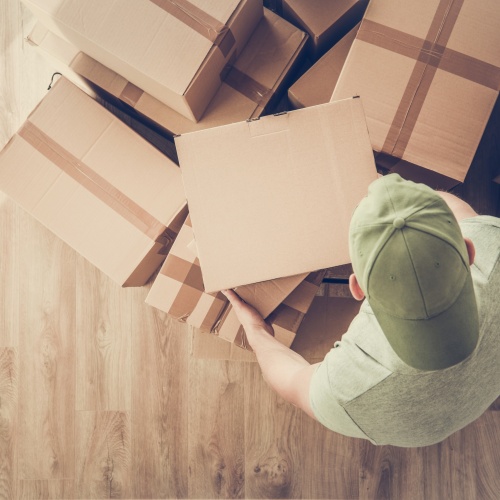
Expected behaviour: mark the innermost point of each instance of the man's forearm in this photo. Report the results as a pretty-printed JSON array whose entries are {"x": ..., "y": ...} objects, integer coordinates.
[{"x": 283, "y": 369}]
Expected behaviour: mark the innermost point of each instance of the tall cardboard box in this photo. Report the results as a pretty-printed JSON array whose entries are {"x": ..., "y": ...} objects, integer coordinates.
[
  {"x": 251, "y": 84},
  {"x": 96, "y": 184},
  {"x": 273, "y": 197},
  {"x": 175, "y": 51},
  {"x": 316, "y": 85},
  {"x": 429, "y": 75},
  {"x": 325, "y": 21}
]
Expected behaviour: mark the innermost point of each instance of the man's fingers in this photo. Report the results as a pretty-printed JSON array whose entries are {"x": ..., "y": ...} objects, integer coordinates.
[{"x": 233, "y": 297}]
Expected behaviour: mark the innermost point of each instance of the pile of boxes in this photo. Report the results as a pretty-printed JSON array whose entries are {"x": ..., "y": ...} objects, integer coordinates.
[{"x": 270, "y": 195}]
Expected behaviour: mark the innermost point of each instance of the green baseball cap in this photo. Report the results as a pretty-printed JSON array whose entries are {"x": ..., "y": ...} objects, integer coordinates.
[{"x": 411, "y": 261}]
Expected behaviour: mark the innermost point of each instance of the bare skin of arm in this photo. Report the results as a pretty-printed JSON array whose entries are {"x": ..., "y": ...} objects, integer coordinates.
[{"x": 288, "y": 373}]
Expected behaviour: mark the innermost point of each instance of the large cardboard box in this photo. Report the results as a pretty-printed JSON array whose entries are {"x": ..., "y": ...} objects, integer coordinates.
[
  {"x": 317, "y": 84},
  {"x": 251, "y": 83},
  {"x": 285, "y": 320},
  {"x": 429, "y": 75},
  {"x": 178, "y": 290},
  {"x": 273, "y": 197},
  {"x": 325, "y": 21},
  {"x": 175, "y": 51},
  {"x": 96, "y": 184},
  {"x": 250, "y": 86}
]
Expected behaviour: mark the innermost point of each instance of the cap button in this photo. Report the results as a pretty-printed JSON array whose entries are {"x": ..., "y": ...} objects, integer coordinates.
[{"x": 399, "y": 223}]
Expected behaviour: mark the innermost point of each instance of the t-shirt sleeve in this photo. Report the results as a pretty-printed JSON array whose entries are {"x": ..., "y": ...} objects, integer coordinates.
[
  {"x": 346, "y": 373},
  {"x": 325, "y": 405}
]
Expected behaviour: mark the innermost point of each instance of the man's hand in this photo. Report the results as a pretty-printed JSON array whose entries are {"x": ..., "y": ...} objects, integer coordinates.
[{"x": 248, "y": 316}]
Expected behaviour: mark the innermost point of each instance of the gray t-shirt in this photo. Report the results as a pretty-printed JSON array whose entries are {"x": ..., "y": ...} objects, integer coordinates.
[{"x": 363, "y": 389}]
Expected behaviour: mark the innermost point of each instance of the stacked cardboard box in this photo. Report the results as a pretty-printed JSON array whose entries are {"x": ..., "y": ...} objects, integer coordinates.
[
  {"x": 120, "y": 207},
  {"x": 200, "y": 42},
  {"x": 429, "y": 75},
  {"x": 325, "y": 21},
  {"x": 270, "y": 198},
  {"x": 250, "y": 86},
  {"x": 179, "y": 291}
]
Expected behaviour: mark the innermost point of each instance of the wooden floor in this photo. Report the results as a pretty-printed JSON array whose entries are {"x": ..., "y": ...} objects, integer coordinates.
[{"x": 100, "y": 396}]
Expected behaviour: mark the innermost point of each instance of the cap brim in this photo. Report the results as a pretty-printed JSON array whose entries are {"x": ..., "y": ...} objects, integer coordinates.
[{"x": 438, "y": 342}]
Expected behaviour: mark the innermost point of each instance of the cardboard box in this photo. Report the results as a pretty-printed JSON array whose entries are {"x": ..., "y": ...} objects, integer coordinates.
[
  {"x": 325, "y": 21},
  {"x": 175, "y": 51},
  {"x": 429, "y": 75},
  {"x": 59, "y": 54},
  {"x": 316, "y": 85},
  {"x": 178, "y": 290},
  {"x": 96, "y": 184},
  {"x": 277, "y": 192},
  {"x": 326, "y": 321},
  {"x": 285, "y": 320},
  {"x": 251, "y": 85}
]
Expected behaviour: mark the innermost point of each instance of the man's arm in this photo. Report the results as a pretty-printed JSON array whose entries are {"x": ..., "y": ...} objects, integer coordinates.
[{"x": 288, "y": 373}]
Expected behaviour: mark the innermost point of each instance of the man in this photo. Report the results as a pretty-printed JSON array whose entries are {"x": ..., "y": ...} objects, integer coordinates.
[{"x": 422, "y": 358}]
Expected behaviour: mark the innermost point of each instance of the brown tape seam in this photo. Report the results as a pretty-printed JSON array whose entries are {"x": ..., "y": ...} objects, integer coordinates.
[
  {"x": 92, "y": 181},
  {"x": 451, "y": 61},
  {"x": 130, "y": 94},
  {"x": 201, "y": 22},
  {"x": 248, "y": 87},
  {"x": 421, "y": 78},
  {"x": 430, "y": 58}
]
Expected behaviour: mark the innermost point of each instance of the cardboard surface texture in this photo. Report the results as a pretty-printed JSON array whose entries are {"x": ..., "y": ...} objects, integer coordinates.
[
  {"x": 178, "y": 290},
  {"x": 317, "y": 84},
  {"x": 251, "y": 84},
  {"x": 59, "y": 54},
  {"x": 277, "y": 192},
  {"x": 285, "y": 320},
  {"x": 325, "y": 21},
  {"x": 326, "y": 321},
  {"x": 429, "y": 75},
  {"x": 175, "y": 51},
  {"x": 96, "y": 184}
]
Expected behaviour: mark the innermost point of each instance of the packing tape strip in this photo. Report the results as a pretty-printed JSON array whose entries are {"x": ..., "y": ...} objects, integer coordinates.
[
  {"x": 431, "y": 53},
  {"x": 247, "y": 86},
  {"x": 200, "y": 21},
  {"x": 92, "y": 181},
  {"x": 445, "y": 59},
  {"x": 130, "y": 94}
]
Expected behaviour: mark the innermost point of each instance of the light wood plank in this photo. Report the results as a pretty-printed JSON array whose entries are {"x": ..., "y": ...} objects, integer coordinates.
[
  {"x": 390, "y": 472},
  {"x": 216, "y": 429},
  {"x": 25, "y": 75},
  {"x": 159, "y": 403},
  {"x": 273, "y": 451},
  {"x": 9, "y": 433},
  {"x": 487, "y": 461},
  {"x": 103, "y": 336},
  {"x": 9, "y": 272},
  {"x": 103, "y": 455},
  {"x": 46, "y": 354},
  {"x": 332, "y": 466},
  {"x": 44, "y": 489}
]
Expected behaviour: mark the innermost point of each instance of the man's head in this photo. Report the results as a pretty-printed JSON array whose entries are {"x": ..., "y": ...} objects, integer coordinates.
[{"x": 412, "y": 263}]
